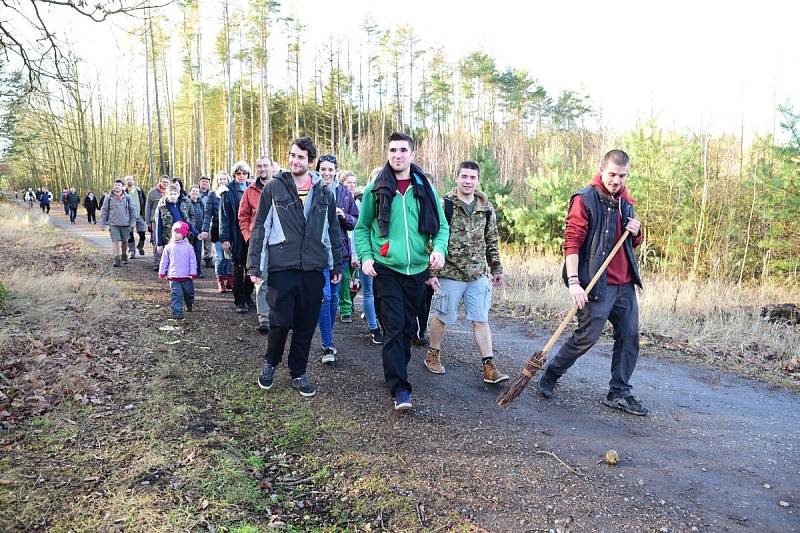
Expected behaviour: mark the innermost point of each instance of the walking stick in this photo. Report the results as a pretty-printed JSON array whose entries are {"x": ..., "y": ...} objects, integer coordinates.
[{"x": 536, "y": 361}]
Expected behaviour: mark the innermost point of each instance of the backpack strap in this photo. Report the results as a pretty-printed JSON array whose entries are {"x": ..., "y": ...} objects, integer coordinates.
[{"x": 448, "y": 209}]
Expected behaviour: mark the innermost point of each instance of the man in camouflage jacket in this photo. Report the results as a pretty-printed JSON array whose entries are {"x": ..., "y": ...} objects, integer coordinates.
[{"x": 473, "y": 256}]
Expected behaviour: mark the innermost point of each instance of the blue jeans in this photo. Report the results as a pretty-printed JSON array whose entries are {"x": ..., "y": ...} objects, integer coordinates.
[
  {"x": 368, "y": 300},
  {"x": 182, "y": 292},
  {"x": 328, "y": 310},
  {"x": 222, "y": 266},
  {"x": 198, "y": 253}
]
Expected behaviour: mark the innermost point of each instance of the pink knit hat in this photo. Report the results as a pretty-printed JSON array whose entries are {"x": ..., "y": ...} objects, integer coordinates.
[{"x": 181, "y": 228}]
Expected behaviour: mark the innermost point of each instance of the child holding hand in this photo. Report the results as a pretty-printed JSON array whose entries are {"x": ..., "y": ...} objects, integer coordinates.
[{"x": 179, "y": 266}]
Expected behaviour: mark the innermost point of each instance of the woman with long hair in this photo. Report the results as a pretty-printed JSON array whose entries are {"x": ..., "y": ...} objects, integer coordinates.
[{"x": 222, "y": 265}]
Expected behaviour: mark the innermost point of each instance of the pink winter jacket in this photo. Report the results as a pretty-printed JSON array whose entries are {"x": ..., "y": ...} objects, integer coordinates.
[{"x": 178, "y": 261}]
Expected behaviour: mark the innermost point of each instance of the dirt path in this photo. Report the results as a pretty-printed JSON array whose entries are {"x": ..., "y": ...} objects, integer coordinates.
[{"x": 703, "y": 458}]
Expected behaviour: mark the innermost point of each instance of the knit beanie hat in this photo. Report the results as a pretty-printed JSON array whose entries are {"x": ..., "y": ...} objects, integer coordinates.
[{"x": 181, "y": 228}]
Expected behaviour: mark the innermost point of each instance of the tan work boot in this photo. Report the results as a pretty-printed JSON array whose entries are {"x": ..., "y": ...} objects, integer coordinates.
[
  {"x": 433, "y": 361},
  {"x": 491, "y": 374}
]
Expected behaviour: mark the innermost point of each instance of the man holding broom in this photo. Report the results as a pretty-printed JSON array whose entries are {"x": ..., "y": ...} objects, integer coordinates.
[{"x": 598, "y": 215}]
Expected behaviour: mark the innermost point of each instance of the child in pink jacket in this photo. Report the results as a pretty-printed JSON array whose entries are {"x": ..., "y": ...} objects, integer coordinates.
[{"x": 179, "y": 266}]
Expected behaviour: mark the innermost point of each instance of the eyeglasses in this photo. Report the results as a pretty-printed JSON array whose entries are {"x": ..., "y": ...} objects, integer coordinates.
[{"x": 330, "y": 158}]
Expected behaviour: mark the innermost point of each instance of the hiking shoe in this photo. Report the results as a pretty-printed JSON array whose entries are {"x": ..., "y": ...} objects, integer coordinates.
[
  {"x": 132, "y": 254},
  {"x": 155, "y": 268},
  {"x": 547, "y": 383},
  {"x": 304, "y": 387},
  {"x": 329, "y": 354},
  {"x": 263, "y": 328},
  {"x": 629, "y": 404},
  {"x": 491, "y": 374},
  {"x": 266, "y": 376},
  {"x": 433, "y": 361},
  {"x": 377, "y": 335},
  {"x": 241, "y": 309},
  {"x": 124, "y": 258},
  {"x": 118, "y": 262},
  {"x": 141, "y": 250},
  {"x": 421, "y": 339},
  {"x": 347, "y": 319},
  {"x": 402, "y": 400}
]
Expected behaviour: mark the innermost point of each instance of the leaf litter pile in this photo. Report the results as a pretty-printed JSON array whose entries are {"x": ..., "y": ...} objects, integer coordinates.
[{"x": 58, "y": 328}]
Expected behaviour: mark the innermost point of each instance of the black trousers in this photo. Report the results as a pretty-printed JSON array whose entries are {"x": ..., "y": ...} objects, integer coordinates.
[
  {"x": 73, "y": 213},
  {"x": 398, "y": 298},
  {"x": 45, "y": 208},
  {"x": 620, "y": 307},
  {"x": 242, "y": 284},
  {"x": 294, "y": 298},
  {"x": 424, "y": 312},
  {"x": 91, "y": 216}
]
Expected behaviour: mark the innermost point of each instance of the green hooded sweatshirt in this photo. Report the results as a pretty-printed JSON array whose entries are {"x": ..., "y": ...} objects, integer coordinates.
[{"x": 404, "y": 249}]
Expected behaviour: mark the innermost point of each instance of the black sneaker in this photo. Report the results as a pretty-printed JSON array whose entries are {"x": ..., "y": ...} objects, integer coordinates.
[
  {"x": 141, "y": 250},
  {"x": 263, "y": 328},
  {"x": 547, "y": 383},
  {"x": 629, "y": 404},
  {"x": 266, "y": 377},
  {"x": 155, "y": 268},
  {"x": 377, "y": 335},
  {"x": 241, "y": 308},
  {"x": 347, "y": 319},
  {"x": 304, "y": 387},
  {"x": 329, "y": 354},
  {"x": 402, "y": 400},
  {"x": 421, "y": 339}
]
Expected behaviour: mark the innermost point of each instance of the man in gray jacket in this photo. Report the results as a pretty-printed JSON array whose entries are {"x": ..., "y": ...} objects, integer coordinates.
[
  {"x": 119, "y": 216},
  {"x": 295, "y": 236}
]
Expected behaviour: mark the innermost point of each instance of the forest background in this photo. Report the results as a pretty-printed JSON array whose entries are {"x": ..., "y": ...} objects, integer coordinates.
[{"x": 714, "y": 204}]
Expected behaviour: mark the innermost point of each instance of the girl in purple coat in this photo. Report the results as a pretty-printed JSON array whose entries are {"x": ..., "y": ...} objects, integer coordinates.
[
  {"x": 347, "y": 214},
  {"x": 179, "y": 266}
]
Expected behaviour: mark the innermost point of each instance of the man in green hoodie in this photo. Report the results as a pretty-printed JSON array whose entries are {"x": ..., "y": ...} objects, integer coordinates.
[{"x": 401, "y": 214}]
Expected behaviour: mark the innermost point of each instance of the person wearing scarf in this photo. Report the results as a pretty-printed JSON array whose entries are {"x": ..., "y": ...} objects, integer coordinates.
[
  {"x": 154, "y": 195},
  {"x": 598, "y": 215},
  {"x": 401, "y": 216}
]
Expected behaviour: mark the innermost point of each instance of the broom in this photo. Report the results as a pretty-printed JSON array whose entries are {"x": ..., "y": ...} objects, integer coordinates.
[{"x": 536, "y": 361}]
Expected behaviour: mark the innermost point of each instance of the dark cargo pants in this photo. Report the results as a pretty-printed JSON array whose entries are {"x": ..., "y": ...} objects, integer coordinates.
[{"x": 619, "y": 306}]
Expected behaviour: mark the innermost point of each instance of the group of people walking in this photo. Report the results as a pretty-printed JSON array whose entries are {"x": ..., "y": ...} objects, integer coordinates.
[
  {"x": 303, "y": 239},
  {"x": 69, "y": 199}
]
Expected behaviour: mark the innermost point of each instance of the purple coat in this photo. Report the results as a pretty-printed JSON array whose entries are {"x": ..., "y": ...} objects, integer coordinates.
[
  {"x": 345, "y": 201},
  {"x": 178, "y": 260}
]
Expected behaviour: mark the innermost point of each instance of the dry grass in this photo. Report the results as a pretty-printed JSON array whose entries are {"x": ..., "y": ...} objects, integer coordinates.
[
  {"x": 54, "y": 305},
  {"x": 716, "y": 320}
]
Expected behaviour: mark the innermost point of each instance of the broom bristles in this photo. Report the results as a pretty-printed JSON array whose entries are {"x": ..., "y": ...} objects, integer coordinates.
[{"x": 518, "y": 384}]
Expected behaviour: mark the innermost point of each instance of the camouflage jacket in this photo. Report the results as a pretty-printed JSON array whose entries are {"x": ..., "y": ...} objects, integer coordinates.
[{"x": 473, "y": 247}]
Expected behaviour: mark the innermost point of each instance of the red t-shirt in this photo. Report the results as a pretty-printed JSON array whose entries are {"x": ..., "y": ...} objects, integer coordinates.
[{"x": 402, "y": 185}]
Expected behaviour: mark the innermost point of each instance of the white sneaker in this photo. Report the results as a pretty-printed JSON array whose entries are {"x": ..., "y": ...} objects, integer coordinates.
[{"x": 329, "y": 355}]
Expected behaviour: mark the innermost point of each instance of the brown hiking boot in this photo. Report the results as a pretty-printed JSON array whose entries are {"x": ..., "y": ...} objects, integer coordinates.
[
  {"x": 433, "y": 361},
  {"x": 491, "y": 374}
]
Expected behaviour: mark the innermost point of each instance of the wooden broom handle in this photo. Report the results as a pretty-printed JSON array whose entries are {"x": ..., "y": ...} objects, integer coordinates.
[{"x": 589, "y": 287}]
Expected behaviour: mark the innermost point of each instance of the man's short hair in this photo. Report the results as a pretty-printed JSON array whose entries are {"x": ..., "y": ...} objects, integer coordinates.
[
  {"x": 618, "y": 157},
  {"x": 163, "y": 177},
  {"x": 204, "y": 178},
  {"x": 306, "y": 144},
  {"x": 472, "y": 165},
  {"x": 115, "y": 181},
  {"x": 398, "y": 136}
]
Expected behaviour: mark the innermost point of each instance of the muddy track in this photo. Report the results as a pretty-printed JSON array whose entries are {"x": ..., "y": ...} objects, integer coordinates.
[{"x": 703, "y": 458}]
